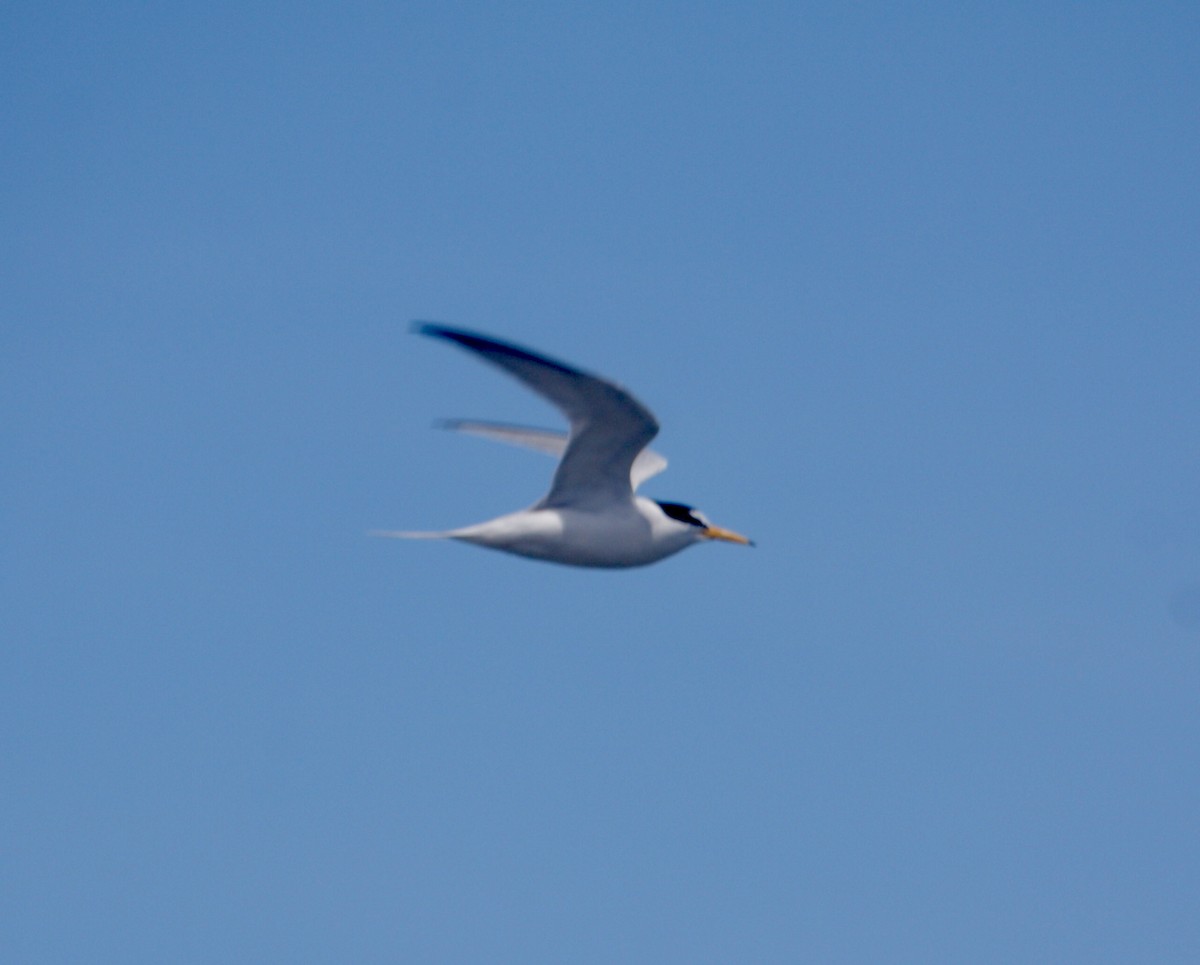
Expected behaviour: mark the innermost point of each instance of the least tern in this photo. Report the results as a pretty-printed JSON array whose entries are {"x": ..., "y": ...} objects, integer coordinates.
[{"x": 592, "y": 515}]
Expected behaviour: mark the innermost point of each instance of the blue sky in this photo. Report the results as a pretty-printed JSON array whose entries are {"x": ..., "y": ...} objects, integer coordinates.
[{"x": 914, "y": 295}]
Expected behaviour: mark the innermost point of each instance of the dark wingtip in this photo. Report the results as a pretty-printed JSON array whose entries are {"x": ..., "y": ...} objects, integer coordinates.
[
  {"x": 489, "y": 346},
  {"x": 460, "y": 335},
  {"x": 421, "y": 327}
]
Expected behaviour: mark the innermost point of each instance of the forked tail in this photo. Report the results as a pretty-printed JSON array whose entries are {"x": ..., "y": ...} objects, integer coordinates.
[{"x": 398, "y": 534}]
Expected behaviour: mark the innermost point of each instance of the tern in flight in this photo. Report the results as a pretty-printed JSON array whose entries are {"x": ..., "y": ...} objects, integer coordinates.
[{"x": 592, "y": 515}]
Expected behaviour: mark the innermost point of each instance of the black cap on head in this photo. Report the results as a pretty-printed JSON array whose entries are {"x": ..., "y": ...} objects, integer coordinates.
[{"x": 685, "y": 514}]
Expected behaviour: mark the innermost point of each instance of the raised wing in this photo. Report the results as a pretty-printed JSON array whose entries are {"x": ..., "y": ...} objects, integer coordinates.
[
  {"x": 609, "y": 427},
  {"x": 648, "y": 462},
  {"x": 550, "y": 441}
]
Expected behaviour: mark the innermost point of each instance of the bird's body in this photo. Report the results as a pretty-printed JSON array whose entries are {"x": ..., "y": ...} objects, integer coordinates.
[
  {"x": 622, "y": 535},
  {"x": 591, "y": 516}
]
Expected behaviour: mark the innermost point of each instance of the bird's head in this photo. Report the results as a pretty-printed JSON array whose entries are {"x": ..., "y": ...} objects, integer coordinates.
[{"x": 700, "y": 526}]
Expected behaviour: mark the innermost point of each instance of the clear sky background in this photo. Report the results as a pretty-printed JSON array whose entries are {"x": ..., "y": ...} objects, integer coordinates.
[{"x": 914, "y": 293}]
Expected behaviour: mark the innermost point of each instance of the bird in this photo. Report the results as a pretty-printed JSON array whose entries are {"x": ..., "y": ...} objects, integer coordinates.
[{"x": 592, "y": 516}]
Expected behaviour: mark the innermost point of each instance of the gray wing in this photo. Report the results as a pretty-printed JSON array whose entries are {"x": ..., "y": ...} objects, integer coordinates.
[
  {"x": 609, "y": 427},
  {"x": 552, "y": 442}
]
